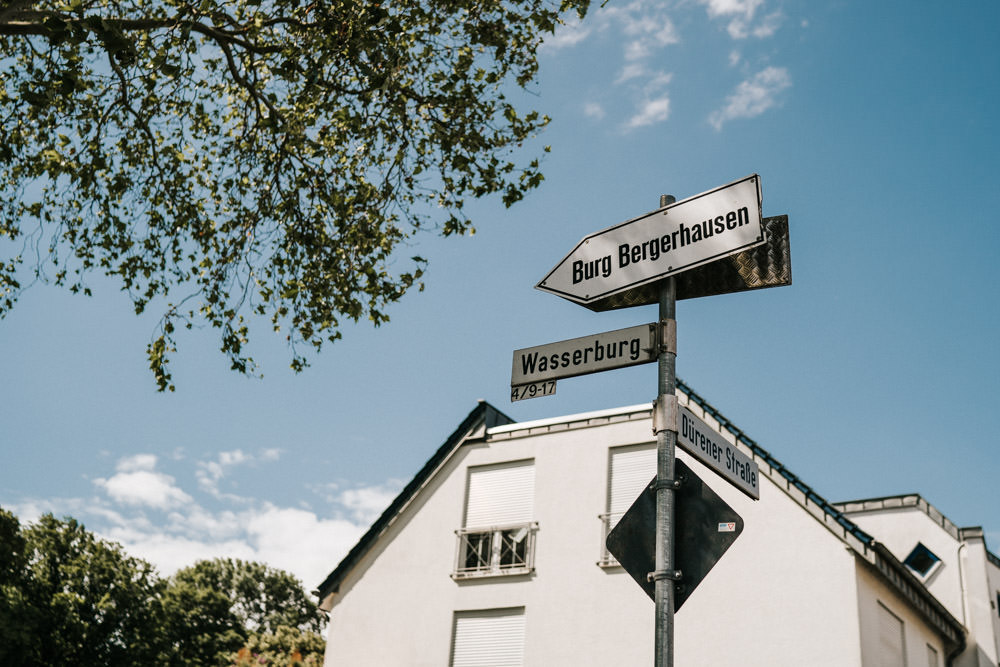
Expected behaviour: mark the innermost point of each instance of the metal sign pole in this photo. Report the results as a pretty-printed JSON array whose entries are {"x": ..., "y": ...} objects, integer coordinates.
[{"x": 665, "y": 426}]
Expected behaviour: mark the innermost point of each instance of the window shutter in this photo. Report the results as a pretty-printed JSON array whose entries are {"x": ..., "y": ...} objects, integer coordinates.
[
  {"x": 501, "y": 495},
  {"x": 631, "y": 470},
  {"x": 492, "y": 638},
  {"x": 890, "y": 639}
]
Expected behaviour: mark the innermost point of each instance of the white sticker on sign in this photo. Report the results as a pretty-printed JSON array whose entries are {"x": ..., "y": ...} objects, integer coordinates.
[{"x": 728, "y": 527}]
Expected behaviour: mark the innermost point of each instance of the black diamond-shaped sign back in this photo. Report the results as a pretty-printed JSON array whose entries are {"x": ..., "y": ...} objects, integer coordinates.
[{"x": 704, "y": 528}]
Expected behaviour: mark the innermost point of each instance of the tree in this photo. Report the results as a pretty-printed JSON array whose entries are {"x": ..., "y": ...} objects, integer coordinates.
[
  {"x": 68, "y": 597},
  {"x": 76, "y": 599},
  {"x": 17, "y": 643},
  {"x": 231, "y": 160},
  {"x": 216, "y": 607},
  {"x": 288, "y": 647}
]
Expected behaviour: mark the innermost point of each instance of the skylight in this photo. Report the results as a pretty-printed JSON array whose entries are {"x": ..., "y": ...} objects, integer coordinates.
[{"x": 922, "y": 560}]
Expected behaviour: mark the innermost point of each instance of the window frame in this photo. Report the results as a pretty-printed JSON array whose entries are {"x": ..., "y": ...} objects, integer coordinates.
[
  {"x": 921, "y": 550},
  {"x": 497, "y": 539},
  {"x": 518, "y": 558},
  {"x": 609, "y": 519}
]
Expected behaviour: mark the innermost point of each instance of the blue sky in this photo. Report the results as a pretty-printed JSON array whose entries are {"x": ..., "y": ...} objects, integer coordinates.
[{"x": 873, "y": 126}]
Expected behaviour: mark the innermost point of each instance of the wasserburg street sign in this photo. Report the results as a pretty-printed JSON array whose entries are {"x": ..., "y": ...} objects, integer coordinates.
[
  {"x": 705, "y": 444},
  {"x": 588, "y": 354},
  {"x": 675, "y": 238}
]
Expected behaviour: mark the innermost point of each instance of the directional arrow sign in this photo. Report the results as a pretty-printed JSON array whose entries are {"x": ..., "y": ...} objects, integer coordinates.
[{"x": 678, "y": 237}]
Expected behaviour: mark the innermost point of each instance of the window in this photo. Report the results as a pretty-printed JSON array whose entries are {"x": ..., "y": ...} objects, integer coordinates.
[
  {"x": 492, "y": 637},
  {"x": 629, "y": 471},
  {"x": 932, "y": 657},
  {"x": 891, "y": 649},
  {"x": 499, "y": 533},
  {"x": 922, "y": 560}
]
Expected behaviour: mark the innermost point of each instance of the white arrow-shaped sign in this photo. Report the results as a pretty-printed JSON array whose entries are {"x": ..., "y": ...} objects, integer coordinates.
[{"x": 681, "y": 236}]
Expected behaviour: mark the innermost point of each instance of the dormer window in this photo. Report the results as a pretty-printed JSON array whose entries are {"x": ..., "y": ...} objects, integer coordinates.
[{"x": 922, "y": 560}]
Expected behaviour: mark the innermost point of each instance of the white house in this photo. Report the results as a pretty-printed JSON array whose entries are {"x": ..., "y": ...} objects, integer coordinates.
[{"x": 494, "y": 555}]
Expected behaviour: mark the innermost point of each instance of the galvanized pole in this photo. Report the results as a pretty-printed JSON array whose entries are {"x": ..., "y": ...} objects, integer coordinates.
[{"x": 665, "y": 426}]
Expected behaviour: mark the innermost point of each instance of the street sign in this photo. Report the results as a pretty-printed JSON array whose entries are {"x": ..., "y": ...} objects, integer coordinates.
[
  {"x": 766, "y": 265},
  {"x": 705, "y": 444},
  {"x": 668, "y": 241},
  {"x": 587, "y": 354},
  {"x": 705, "y": 528}
]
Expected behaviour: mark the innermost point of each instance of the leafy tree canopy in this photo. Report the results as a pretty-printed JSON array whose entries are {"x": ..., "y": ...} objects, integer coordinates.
[
  {"x": 71, "y": 598},
  {"x": 216, "y": 607},
  {"x": 229, "y": 159},
  {"x": 288, "y": 647},
  {"x": 68, "y": 597}
]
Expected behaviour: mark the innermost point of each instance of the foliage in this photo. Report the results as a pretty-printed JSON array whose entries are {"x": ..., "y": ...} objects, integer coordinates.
[
  {"x": 255, "y": 158},
  {"x": 289, "y": 647},
  {"x": 68, "y": 597},
  {"x": 78, "y": 600},
  {"x": 16, "y": 623},
  {"x": 215, "y": 607}
]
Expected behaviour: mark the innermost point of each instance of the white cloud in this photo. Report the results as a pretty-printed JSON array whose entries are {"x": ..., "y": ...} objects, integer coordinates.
[
  {"x": 651, "y": 111},
  {"x": 568, "y": 34},
  {"x": 294, "y": 540},
  {"x": 235, "y": 457},
  {"x": 137, "y": 462},
  {"x": 301, "y": 542},
  {"x": 210, "y": 473},
  {"x": 643, "y": 28},
  {"x": 741, "y": 14},
  {"x": 741, "y": 8},
  {"x": 753, "y": 97},
  {"x": 152, "y": 517},
  {"x": 768, "y": 26},
  {"x": 138, "y": 483},
  {"x": 169, "y": 553},
  {"x": 631, "y": 71},
  {"x": 593, "y": 110},
  {"x": 367, "y": 503}
]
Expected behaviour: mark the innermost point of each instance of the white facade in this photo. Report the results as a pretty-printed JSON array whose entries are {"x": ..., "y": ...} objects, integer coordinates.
[
  {"x": 432, "y": 585},
  {"x": 962, "y": 574}
]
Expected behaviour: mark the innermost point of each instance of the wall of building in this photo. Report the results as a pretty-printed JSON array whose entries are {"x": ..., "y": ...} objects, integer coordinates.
[
  {"x": 993, "y": 581},
  {"x": 872, "y": 593},
  {"x": 783, "y": 594},
  {"x": 787, "y": 592},
  {"x": 980, "y": 602},
  {"x": 961, "y": 582},
  {"x": 900, "y": 528},
  {"x": 404, "y": 595}
]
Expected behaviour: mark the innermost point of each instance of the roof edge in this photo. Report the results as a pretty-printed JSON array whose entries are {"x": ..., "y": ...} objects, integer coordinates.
[
  {"x": 864, "y": 545},
  {"x": 483, "y": 416}
]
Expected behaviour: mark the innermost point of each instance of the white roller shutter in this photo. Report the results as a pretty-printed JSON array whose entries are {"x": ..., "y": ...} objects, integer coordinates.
[
  {"x": 892, "y": 646},
  {"x": 501, "y": 495},
  {"x": 492, "y": 638},
  {"x": 631, "y": 470}
]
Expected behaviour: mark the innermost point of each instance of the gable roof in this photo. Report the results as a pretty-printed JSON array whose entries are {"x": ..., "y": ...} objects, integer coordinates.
[
  {"x": 485, "y": 417},
  {"x": 482, "y": 418}
]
